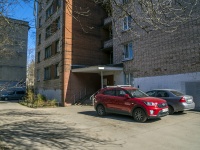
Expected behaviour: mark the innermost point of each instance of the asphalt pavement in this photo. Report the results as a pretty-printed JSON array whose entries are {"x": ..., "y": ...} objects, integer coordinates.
[{"x": 79, "y": 128}]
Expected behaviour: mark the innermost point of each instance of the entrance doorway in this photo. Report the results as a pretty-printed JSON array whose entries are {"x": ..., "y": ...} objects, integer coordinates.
[{"x": 108, "y": 80}]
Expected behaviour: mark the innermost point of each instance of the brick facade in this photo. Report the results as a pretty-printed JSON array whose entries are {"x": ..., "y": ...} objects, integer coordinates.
[
  {"x": 159, "y": 53},
  {"x": 80, "y": 38}
]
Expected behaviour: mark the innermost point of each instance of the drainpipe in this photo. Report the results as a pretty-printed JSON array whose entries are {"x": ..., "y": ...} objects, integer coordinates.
[{"x": 101, "y": 79}]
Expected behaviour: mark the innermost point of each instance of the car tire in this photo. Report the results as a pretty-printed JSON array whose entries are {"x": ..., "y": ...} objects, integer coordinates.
[
  {"x": 181, "y": 111},
  {"x": 171, "y": 110},
  {"x": 5, "y": 98},
  {"x": 139, "y": 115},
  {"x": 101, "y": 110}
]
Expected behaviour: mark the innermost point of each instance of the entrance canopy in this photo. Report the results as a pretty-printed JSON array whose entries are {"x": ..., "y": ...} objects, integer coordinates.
[{"x": 97, "y": 69}]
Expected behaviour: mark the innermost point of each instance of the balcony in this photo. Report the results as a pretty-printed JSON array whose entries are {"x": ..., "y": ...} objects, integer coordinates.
[
  {"x": 107, "y": 45},
  {"x": 107, "y": 20}
]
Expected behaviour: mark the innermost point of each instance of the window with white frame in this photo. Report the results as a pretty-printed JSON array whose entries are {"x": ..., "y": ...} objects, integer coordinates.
[
  {"x": 128, "y": 79},
  {"x": 57, "y": 23},
  {"x": 38, "y": 75},
  {"x": 48, "y": 52},
  {"x": 47, "y": 73},
  {"x": 49, "y": 11},
  {"x": 127, "y": 20},
  {"x": 48, "y": 31},
  {"x": 128, "y": 51}
]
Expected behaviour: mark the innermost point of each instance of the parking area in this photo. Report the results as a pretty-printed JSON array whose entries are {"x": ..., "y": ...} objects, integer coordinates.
[{"x": 78, "y": 127}]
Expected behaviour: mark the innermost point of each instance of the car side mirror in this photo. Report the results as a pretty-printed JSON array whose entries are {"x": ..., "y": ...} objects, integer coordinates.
[{"x": 127, "y": 96}]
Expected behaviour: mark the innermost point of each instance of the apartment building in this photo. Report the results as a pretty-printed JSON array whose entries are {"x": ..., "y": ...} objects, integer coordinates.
[
  {"x": 158, "y": 59},
  {"x": 71, "y": 60},
  {"x": 13, "y": 51}
]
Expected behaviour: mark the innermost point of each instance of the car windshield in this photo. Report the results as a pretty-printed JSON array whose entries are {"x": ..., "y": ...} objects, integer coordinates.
[
  {"x": 177, "y": 93},
  {"x": 137, "y": 93}
]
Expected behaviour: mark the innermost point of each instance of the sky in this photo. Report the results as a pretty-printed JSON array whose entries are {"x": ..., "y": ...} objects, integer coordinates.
[{"x": 25, "y": 11}]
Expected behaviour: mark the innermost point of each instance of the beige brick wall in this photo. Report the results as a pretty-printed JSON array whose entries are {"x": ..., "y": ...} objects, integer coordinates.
[{"x": 54, "y": 83}]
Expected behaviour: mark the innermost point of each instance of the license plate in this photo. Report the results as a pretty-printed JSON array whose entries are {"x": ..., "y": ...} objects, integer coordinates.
[{"x": 165, "y": 110}]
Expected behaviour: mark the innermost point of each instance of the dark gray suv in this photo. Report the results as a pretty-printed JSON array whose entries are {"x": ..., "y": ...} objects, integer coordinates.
[{"x": 12, "y": 95}]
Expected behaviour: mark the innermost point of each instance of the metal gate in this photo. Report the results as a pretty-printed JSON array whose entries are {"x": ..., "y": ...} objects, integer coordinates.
[{"x": 193, "y": 88}]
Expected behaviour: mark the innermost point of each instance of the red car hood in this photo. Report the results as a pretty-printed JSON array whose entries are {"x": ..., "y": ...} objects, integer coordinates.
[{"x": 152, "y": 99}]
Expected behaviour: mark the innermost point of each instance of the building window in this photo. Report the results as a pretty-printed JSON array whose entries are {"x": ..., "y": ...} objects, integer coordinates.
[
  {"x": 49, "y": 11},
  {"x": 57, "y": 73},
  {"x": 128, "y": 79},
  {"x": 127, "y": 23},
  {"x": 125, "y": 1},
  {"x": 39, "y": 39},
  {"x": 38, "y": 57},
  {"x": 57, "y": 23},
  {"x": 47, "y": 73},
  {"x": 128, "y": 51},
  {"x": 48, "y": 31},
  {"x": 40, "y": 22},
  {"x": 57, "y": 46},
  {"x": 47, "y": 52},
  {"x": 58, "y": 3},
  {"x": 38, "y": 75}
]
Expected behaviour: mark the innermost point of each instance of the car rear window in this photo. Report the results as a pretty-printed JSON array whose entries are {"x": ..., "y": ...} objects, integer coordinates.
[{"x": 177, "y": 93}]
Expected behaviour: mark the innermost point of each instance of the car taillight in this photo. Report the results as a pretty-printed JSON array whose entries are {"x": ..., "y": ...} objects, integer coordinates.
[{"x": 182, "y": 100}]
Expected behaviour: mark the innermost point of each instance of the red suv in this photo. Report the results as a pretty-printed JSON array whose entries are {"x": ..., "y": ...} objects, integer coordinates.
[{"x": 131, "y": 101}]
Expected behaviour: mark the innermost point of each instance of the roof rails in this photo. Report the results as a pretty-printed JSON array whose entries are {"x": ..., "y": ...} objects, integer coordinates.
[{"x": 118, "y": 86}]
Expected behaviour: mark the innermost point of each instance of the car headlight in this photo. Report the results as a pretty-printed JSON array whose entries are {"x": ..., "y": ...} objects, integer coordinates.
[{"x": 150, "y": 103}]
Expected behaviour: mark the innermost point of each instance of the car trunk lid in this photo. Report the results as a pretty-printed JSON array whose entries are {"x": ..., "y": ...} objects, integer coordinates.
[{"x": 188, "y": 99}]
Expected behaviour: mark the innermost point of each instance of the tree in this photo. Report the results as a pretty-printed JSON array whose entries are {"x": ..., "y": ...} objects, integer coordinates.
[
  {"x": 7, "y": 29},
  {"x": 30, "y": 75},
  {"x": 149, "y": 15}
]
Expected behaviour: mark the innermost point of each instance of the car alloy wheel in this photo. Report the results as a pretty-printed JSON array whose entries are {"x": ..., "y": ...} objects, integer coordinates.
[
  {"x": 101, "y": 110},
  {"x": 139, "y": 115},
  {"x": 6, "y": 98}
]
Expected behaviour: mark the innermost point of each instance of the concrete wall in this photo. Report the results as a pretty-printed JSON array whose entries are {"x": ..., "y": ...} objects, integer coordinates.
[
  {"x": 177, "y": 81},
  {"x": 13, "y": 61},
  {"x": 51, "y": 94},
  {"x": 12, "y": 73}
]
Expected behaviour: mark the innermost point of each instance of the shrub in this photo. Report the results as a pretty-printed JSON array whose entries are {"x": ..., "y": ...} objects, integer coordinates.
[
  {"x": 40, "y": 101},
  {"x": 53, "y": 102}
]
